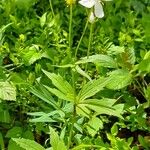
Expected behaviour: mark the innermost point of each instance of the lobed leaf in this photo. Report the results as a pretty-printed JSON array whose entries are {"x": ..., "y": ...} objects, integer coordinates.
[
  {"x": 59, "y": 94},
  {"x": 103, "y": 60},
  {"x": 28, "y": 144},
  {"x": 41, "y": 92},
  {"x": 103, "y": 106},
  {"x": 91, "y": 88},
  {"x": 59, "y": 82}
]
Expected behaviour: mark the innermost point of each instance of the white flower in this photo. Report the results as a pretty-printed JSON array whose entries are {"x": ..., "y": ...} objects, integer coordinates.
[
  {"x": 87, "y": 3},
  {"x": 98, "y": 9}
]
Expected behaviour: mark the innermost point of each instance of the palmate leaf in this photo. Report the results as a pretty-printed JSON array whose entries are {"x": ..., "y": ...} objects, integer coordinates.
[
  {"x": 106, "y": 102},
  {"x": 56, "y": 142},
  {"x": 103, "y": 60},
  {"x": 119, "y": 79},
  {"x": 103, "y": 106},
  {"x": 105, "y": 110},
  {"x": 59, "y": 82},
  {"x": 28, "y": 144},
  {"x": 59, "y": 94},
  {"x": 41, "y": 92},
  {"x": 52, "y": 113},
  {"x": 91, "y": 88},
  {"x": 47, "y": 117}
]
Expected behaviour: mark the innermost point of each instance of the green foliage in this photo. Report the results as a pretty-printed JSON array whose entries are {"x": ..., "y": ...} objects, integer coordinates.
[
  {"x": 91, "y": 88},
  {"x": 94, "y": 125},
  {"x": 65, "y": 90},
  {"x": 43, "y": 94},
  {"x": 119, "y": 79},
  {"x": 103, "y": 106},
  {"x": 144, "y": 142},
  {"x": 1, "y": 141},
  {"x": 88, "y": 82},
  {"x": 14, "y": 132},
  {"x": 55, "y": 141},
  {"x": 8, "y": 91},
  {"x": 102, "y": 60},
  {"x": 28, "y": 144}
]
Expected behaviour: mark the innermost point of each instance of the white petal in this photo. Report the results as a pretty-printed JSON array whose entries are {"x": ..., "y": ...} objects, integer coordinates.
[
  {"x": 92, "y": 17},
  {"x": 87, "y": 3},
  {"x": 98, "y": 8}
]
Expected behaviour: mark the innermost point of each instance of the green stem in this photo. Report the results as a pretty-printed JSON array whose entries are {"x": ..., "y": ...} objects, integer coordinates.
[
  {"x": 89, "y": 47},
  {"x": 71, "y": 128},
  {"x": 77, "y": 48},
  {"x": 51, "y": 7},
  {"x": 73, "y": 119},
  {"x": 70, "y": 33},
  {"x": 90, "y": 40}
]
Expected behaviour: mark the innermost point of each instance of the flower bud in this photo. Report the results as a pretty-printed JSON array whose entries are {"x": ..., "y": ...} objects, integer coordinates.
[
  {"x": 91, "y": 18},
  {"x": 70, "y": 2}
]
